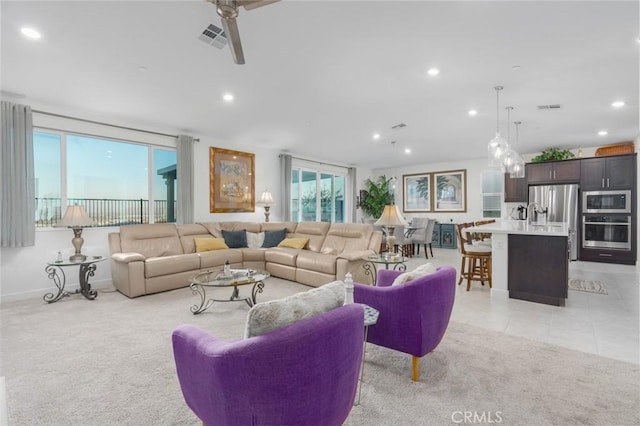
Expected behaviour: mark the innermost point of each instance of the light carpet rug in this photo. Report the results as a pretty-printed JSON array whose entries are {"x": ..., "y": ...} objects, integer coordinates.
[
  {"x": 590, "y": 286},
  {"x": 110, "y": 362}
]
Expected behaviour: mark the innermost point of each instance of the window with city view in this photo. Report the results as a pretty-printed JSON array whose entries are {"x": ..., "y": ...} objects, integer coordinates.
[{"x": 117, "y": 182}]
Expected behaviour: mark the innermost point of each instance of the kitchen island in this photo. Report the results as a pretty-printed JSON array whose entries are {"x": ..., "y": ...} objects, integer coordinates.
[{"x": 529, "y": 260}]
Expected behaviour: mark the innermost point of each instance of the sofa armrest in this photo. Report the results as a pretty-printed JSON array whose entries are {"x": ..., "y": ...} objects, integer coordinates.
[
  {"x": 127, "y": 257},
  {"x": 356, "y": 255},
  {"x": 386, "y": 277}
]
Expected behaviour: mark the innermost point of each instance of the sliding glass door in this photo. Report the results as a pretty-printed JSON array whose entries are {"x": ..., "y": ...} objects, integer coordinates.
[{"x": 317, "y": 196}]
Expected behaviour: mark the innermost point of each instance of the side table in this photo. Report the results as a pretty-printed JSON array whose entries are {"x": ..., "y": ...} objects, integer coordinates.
[
  {"x": 370, "y": 263},
  {"x": 370, "y": 318},
  {"x": 55, "y": 272}
]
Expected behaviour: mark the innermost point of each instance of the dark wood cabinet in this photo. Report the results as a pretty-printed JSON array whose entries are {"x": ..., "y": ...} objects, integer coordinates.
[
  {"x": 603, "y": 173},
  {"x": 567, "y": 171},
  {"x": 515, "y": 189}
]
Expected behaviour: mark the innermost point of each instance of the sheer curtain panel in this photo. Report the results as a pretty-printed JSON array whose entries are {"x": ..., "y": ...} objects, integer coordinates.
[
  {"x": 18, "y": 204},
  {"x": 184, "y": 153}
]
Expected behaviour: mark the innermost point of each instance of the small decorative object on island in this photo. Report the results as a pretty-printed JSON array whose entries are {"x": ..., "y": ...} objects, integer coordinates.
[
  {"x": 553, "y": 154},
  {"x": 391, "y": 217},
  {"x": 76, "y": 218},
  {"x": 266, "y": 199}
]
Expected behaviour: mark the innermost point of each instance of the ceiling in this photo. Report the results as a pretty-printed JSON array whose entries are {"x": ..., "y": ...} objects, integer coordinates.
[{"x": 321, "y": 77}]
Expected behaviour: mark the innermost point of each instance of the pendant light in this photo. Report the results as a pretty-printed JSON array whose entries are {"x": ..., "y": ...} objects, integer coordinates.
[
  {"x": 497, "y": 146},
  {"x": 509, "y": 156},
  {"x": 517, "y": 169}
]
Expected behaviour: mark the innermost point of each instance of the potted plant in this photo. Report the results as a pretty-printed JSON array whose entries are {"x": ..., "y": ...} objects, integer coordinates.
[
  {"x": 376, "y": 195},
  {"x": 553, "y": 154}
]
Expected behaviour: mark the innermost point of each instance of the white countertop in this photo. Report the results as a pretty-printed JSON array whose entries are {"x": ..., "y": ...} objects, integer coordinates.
[{"x": 556, "y": 229}]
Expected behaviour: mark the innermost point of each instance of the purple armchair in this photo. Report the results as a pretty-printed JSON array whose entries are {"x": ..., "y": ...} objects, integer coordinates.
[
  {"x": 413, "y": 316},
  {"x": 302, "y": 374}
]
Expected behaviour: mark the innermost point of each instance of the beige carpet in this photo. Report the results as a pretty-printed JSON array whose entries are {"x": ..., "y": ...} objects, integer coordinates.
[
  {"x": 590, "y": 286},
  {"x": 109, "y": 362}
]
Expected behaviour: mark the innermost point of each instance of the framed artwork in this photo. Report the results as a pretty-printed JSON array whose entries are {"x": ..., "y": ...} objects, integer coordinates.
[
  {"x": 450, "y": 191},
  {"x": 416, "y": 193},
  {"x": 231, "y": 181}
]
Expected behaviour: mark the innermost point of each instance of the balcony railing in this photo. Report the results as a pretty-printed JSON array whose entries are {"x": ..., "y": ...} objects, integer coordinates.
[{"x": 106, "y": 212}]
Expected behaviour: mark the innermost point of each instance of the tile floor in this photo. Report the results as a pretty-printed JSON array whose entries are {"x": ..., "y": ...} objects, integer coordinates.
[{"x": 607, "y": 325}]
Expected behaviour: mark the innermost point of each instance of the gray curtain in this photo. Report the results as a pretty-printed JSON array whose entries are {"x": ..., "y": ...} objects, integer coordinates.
[
  {"x": 184, "y": 151},
  {"x": 17, "y": 182},
  {"x": 353, "y": 183},
  {"x": 285, "y": 168}
]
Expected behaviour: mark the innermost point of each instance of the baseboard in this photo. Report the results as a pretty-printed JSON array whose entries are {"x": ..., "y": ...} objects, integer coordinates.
[{"x": 39, "y": 293}]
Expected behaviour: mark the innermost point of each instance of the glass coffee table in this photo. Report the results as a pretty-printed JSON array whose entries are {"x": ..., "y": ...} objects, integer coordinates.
[
  {"x": 215, "y": 279},
  {"x": 370, "y": 268}
]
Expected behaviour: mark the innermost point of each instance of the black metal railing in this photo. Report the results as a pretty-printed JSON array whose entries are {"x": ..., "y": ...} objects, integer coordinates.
[{"x": 106, "y": 212}]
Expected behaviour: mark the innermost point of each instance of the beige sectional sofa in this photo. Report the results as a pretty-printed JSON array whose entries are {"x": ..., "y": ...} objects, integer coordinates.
[{"x": 152, "y": 258}]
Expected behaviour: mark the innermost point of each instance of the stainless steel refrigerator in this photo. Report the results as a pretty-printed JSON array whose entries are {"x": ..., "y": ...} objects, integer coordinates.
[{"x": 561, "y": 202}]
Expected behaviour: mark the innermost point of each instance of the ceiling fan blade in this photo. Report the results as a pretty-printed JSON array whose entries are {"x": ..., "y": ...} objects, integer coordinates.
[
  {"x": 253, "y": 4},
  {"x": 230, "y": 27}
]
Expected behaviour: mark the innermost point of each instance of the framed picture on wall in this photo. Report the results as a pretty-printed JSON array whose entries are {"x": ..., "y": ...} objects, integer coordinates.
[
  {"x": 450, "y": 191},
  {"x": 231, "y": 181},
  {"x": 416, "y": 193}
]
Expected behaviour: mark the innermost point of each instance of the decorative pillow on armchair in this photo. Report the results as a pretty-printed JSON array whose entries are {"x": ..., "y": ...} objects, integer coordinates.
[
  {"x": 420, "y": 271},
  {"x": 268, "y": 316}
]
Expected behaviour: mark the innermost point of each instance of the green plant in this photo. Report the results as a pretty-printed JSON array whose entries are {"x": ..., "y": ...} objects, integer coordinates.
[
  {"x": 376, "y": 195},
  {"x": 553, "y": 154}
]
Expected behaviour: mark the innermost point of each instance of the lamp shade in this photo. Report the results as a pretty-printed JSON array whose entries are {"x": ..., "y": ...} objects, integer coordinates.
[
  {"x": 266, "y": 198},
  {"x": 75, "y": 217},
  {"x": 391, "y": 216}
]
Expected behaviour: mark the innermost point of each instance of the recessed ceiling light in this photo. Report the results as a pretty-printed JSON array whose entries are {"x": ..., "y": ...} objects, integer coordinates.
[
  {"x": 407, "y": 151},
  {"x": 30, "y": 33},
  {"x": 618, "y": 104},
  {"x": 228, "y": 97},
  {"x": 143, "y": 69},
  {"x": 433, "y": 71},
  {"x": 516, "y": 67},
  {"x": 603, "y": 133},
  {"x": 472, "y": 112},
  {"x": 376, "y": 136}
]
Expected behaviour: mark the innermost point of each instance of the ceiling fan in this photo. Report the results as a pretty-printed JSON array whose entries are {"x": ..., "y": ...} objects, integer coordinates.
[{"x": 228, "y": 11}]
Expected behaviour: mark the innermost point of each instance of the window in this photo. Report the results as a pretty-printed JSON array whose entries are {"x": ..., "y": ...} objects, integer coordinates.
[
  {"x": 318, "y": 195},
  {"x": 110, "y": 178},
  {"x": 492, "y": 189}
]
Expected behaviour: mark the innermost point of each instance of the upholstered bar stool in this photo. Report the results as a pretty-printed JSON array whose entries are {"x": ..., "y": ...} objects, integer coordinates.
[{"x": 476, "y": 258}]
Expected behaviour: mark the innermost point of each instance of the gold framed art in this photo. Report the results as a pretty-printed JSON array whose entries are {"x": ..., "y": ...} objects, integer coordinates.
[{"x": 231, "y": 181}]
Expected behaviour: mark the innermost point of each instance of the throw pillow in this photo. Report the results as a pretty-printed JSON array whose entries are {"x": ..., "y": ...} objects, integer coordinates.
[
  {"x": 296, "y": 243},
  {"x": 235, "y": 239},
  {"x": 255, "y": 239},
  {"x": 273, "y": 238},
  {"x": 267, "y": 316},
  {"x": 209, "y": 244},
  {"x": 420, "y": 271}
]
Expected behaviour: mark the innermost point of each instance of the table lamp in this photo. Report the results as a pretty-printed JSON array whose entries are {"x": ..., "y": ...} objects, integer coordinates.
[
  {"x": 266, "y": 199},
  {"x": 76, "y": 218},
  {"x": 391, "y": 217}
]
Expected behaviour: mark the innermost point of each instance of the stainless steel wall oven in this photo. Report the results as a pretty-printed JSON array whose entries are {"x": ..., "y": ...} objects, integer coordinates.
[{"x": 611, "y": 231}]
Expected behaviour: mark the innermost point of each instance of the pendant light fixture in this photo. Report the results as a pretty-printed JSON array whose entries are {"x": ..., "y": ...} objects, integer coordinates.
[
  {"x": 517, "y": 169},
  {"x": 509, "y": 156},
  {"x": 497, "y": 146}
]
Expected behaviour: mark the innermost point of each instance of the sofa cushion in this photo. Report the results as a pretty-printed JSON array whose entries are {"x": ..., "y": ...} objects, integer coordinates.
[
  {"x": 255, "y": 239},
  {"x": 281, "y": 256},
  {"x": 325, "y": 263},
  {"x": 216, "y": 258},
  {"x": 314, "y": 231},
  {"x": 235, "y": 239},
  {"x": 296, "y": 243},
  {"x": 274, "y": 226},
  {"x": 268, "y": 316},
  {"x": 273, "y": 238},
  {"x": 253, "y": 254},
  {"x": 208, "y": 244},
  {"x": 168, "y": 265},
  {"x": 420, "y": 271},
  {"x": 347, "y": 237},
  {"x": 151, "y": 240}
]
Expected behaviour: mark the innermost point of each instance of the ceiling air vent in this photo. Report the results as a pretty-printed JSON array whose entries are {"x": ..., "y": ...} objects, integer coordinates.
[
  {"x": 214, "y": 36},
  {"x": 551, "y": 106},
  {"x": 398, "y": 126}
]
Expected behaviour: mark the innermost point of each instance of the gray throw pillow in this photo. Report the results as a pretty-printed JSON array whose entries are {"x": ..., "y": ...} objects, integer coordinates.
[
  {"x": 235, "y": 239},
  {"x": 273, "y": 238}
]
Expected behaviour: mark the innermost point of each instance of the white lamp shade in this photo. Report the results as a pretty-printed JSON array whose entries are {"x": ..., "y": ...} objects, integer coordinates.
[
  {"x": 266, "y": 198},
  {"x": 75, "y": 217},
  {"x": 391, "y": 216}
]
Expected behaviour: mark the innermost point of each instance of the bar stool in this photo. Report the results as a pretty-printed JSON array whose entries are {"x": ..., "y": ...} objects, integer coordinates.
[{"x": 476, "y": 258}]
